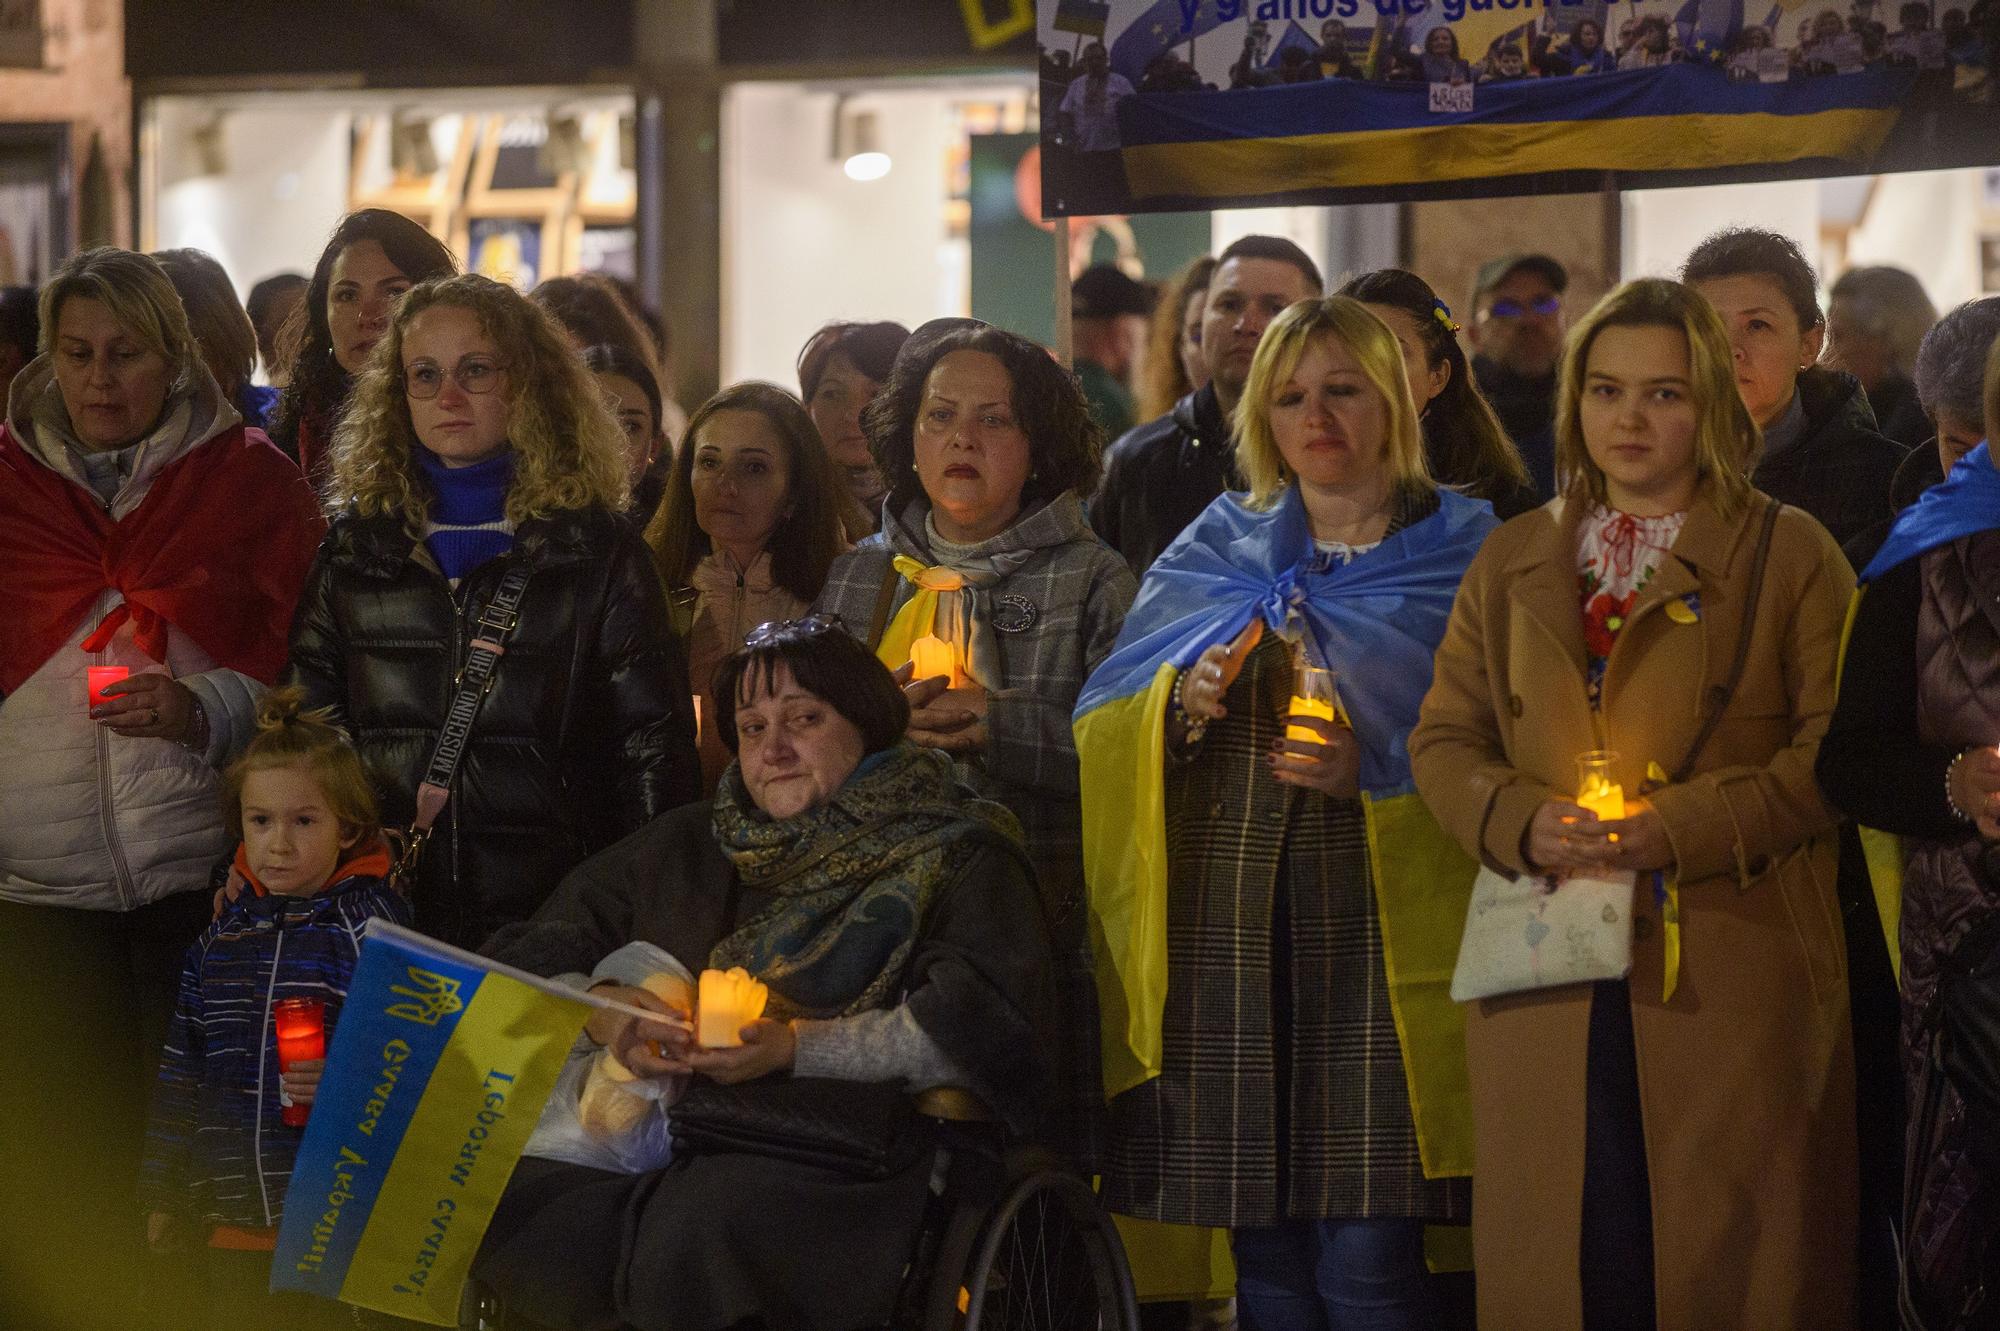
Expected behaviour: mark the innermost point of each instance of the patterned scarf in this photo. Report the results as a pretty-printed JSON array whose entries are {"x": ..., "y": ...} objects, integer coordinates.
[{"x": 852, "y": 880}]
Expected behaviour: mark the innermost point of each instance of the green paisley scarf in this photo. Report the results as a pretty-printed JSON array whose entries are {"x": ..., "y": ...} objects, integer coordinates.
[{"x": 852, "y": 880}]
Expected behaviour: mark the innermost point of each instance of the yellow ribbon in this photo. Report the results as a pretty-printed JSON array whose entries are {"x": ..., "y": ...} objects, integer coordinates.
[
  {"x": 918, "y": 617},
  {"x": 1670, "y": 912}
]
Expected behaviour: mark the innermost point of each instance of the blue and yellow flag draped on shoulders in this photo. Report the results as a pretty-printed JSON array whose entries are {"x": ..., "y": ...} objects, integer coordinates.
[
  {"x": 1965, "y": 502},
  {"x": 437, "y": 1073},
  {"x": 1377, "y": 621}
]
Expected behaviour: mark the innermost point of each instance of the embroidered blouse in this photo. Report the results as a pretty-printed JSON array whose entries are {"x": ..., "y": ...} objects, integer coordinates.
[{"x": 1616, "y": 556}]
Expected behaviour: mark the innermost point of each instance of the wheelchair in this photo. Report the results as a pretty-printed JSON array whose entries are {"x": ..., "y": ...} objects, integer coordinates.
[{"x": 1011, "y": 1239}]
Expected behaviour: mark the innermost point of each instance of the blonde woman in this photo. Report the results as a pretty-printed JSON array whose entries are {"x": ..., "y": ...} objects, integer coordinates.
[
  {"x": 1676, "y": 1150},
  {"x": 475, "y": 442},
  {"x": 1267, "y": 1082}
]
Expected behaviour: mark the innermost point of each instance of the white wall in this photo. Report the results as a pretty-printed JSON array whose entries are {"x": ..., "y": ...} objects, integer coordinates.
[
  {"x": 1928, "y": 222},
  {"x": 1662, "y": 225},
  {"x": 802, "y": 244},
  {"x": 283, "y": 187}
]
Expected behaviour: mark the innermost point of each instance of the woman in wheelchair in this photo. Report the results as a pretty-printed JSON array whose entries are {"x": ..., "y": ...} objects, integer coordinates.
[{"x": 894, "y": 919}]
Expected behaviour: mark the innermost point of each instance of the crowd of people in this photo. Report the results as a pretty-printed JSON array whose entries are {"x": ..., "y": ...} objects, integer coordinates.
[{"x": 978, "y": 731}]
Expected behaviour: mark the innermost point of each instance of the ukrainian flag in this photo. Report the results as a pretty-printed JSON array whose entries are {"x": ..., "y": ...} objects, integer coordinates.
[
  {"x": 437, "y": 1074},
  {"x": 1377, "y": 621},
  {"x": 1193, "y": 149}
]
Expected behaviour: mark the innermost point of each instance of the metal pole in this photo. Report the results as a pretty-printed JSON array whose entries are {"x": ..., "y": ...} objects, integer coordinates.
[{"x": 1065, "y": 341}]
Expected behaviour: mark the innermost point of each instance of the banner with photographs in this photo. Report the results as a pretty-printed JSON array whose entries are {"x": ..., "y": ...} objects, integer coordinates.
[{"x": 1162, "y": 105}]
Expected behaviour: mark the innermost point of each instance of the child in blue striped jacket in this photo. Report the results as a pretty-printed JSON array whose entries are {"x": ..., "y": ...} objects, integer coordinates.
[{"x": 218, "y": 1154}]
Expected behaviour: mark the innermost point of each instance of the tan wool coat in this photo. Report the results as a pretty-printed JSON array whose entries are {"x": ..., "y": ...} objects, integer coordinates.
[{"x": 1746, "y": 1075}]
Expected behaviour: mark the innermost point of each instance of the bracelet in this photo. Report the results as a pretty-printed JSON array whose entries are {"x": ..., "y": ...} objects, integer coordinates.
[
  {"x": 1949, "y": 802},
  {"x": 1191, "y": 729}
]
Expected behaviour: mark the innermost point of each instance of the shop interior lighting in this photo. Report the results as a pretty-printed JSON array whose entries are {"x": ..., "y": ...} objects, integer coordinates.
[{"x": 858, "y": 143}]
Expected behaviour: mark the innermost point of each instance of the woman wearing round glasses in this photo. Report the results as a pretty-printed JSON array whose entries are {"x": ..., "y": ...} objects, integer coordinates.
[{"x": 475, "y": 443}]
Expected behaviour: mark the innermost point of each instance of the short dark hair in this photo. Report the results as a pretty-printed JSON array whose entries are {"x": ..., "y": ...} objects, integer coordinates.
[
  {"x": 590, "y": 310},
  {"x": 1749, "y": 251},
  {"x": 20, "y": 324},
  {"x": 1065, "y": 444},
  {"x": 871, "y": 347},
  {"x": 828, "y": 663},
  {"x": 1951, "y": 364},
  {"x": 611, "y": 358},
  {"x": 1279, "y": 250}
]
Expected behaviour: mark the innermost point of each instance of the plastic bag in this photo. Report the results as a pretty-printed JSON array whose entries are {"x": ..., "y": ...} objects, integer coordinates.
[{"x": 600, "y": 1114}]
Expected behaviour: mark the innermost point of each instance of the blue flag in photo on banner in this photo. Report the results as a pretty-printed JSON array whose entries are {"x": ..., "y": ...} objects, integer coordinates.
[
  {"x": 437, "y": 1073},
  {"x": 1163, "y": 27},
  {"x": 1708, "y": 28},
  {"x": 1295, "y": 38}
]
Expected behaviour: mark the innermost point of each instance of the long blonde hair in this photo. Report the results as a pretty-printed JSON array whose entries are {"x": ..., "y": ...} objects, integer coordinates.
[
  {"x": 569, "y": 452},
  {"x": 1726, "y": 439},
  {"x": 1380, "y": 356}
]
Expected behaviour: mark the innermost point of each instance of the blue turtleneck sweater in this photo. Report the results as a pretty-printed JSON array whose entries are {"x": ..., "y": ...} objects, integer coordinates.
[{"x": 468, "y": 521}]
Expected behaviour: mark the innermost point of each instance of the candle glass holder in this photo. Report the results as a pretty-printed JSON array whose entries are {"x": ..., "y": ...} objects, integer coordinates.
[
  {"x": 96, "y": 678},
  {"x": 301, "y": 1027},
  {"x": 931, "y": 657},
  {"x": 1313, "y": 694},
  {"x": 726, "y": 1002},
  {"x": 1597, "y": 790}
]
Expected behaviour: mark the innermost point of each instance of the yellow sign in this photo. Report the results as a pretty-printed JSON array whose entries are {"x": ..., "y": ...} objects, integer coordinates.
[{"x": 987, "y": 33}]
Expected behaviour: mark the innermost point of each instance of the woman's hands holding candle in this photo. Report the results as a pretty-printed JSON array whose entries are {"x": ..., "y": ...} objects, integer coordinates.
[
  {"x": 1330, "y": 764},
  {"x": 768, "y": 1046},
  {"x": 943, "y": 717},
  {"x": 646, "y": 1048},
  {"x": 1214, "y": 671},
  {"x": 148, "y": 706},
  {"x": 1565, "y": 835},
  {"x": 301, "y": 1079}
]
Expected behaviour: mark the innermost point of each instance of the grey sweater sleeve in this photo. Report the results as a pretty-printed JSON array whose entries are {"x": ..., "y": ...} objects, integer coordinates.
[{"x": 884, "y": 1045}]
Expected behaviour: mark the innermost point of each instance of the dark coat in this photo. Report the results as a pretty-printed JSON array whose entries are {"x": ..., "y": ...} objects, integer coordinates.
[
  {"x": 1919, "y": 470},
  {"x": 1159, "y": 477},
  {"x": 714, "y": 1239},
  {"x": 1840, "y": 469},
  {"x": 585, "y": 734}
]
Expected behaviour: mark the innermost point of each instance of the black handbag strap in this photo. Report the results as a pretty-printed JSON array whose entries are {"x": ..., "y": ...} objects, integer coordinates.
[
  {"x": 1720, "y": 695},
  {"x": 475, "y": 680}
]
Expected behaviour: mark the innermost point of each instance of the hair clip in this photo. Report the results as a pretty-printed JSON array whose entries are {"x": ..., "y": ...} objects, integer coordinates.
[{"x": 1443, "y": 313}]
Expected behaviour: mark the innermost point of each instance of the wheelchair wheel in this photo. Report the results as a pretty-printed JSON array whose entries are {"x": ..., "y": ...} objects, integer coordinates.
[{"x": 1049, "y": 1259}]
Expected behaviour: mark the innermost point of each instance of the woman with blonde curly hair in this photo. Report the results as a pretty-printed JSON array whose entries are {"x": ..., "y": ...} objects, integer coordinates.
[{"x": 475, "y": 443}]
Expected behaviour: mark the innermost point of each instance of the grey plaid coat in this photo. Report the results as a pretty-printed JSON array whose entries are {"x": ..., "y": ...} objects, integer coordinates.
[{"x": 1077, "y": 589}]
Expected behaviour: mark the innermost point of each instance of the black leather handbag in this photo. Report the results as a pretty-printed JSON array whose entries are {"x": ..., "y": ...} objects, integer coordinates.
[{"x": 868, "y": 1130}]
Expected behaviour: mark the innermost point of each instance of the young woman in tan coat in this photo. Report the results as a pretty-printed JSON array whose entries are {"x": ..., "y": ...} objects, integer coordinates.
[{"x": 1677, "y": 1149}]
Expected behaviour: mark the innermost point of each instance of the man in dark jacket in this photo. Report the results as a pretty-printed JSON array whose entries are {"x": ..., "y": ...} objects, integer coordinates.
[
  {"x": 1160, "y": 476},
  {"x": 1822, "y": 452},
  {"x": 1518, "y": 322}
]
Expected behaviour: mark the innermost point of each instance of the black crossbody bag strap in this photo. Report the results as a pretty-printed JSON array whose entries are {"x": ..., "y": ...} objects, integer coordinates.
[
  {"x": 1720, "y": 695},
  {"x": 475, "y": 681}
]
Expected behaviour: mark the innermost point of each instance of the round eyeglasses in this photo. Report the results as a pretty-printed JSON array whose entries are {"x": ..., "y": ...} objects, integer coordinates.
[{"x": 475, "y": 374}]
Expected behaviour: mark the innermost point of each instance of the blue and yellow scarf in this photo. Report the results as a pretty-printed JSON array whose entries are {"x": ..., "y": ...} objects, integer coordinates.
[{"x": 1377, "y": 620}]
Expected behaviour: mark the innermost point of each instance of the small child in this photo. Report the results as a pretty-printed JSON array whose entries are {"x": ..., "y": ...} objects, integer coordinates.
[{"x": 218, "y": 1154}]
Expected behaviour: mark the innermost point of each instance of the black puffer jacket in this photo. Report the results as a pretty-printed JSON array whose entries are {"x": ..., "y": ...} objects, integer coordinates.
[
  {"x": 586, "y": 734},
  {"x": 1839, "y": 470},
  {"x": 1159, "y": 476}
]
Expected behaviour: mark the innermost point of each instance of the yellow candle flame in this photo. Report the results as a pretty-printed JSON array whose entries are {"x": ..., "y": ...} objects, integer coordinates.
[
  {"x": 1319, "y": 707},
  {"x": 931, "y": 656},
  {"x": 725, "y": 1002}
]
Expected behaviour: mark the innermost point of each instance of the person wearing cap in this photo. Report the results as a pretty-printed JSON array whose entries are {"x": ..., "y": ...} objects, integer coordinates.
[
  {"x": 1108, "y": 314},
  {"x": 1518, "y": 322},
  {"x": 1160, "y": 476}
]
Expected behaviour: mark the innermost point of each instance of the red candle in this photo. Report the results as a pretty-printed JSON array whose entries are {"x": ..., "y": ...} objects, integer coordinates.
[
  {"x": 99, "y": 676},
  {"x": 301, "y": 1024}
]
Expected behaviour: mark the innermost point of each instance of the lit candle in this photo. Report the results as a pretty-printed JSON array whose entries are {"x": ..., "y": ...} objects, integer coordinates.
[
  {"x": 301, "y": 1024},
  {"x": 930, "y": 657},
  {"x": 1596, "y": 791},
  {"x": 1312, "y": 695},
  {"x": 726, "y": 1002},
  {"x": 97, "y": 677}
]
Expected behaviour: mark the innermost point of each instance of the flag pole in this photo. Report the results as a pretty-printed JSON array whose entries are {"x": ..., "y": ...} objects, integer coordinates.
[{"x": 1065, "y": 342}]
